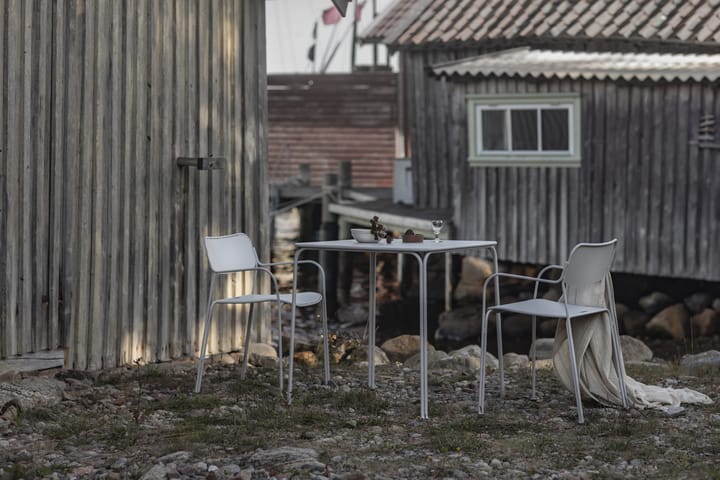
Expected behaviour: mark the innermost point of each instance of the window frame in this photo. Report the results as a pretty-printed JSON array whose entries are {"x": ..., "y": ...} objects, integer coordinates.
[{"x": 524, "y": 158}]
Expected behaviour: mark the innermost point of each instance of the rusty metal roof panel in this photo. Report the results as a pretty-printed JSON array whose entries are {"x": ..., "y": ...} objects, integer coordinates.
[
  {"x": 600, "y": 65},
  {"x": 423, "y": 22}
]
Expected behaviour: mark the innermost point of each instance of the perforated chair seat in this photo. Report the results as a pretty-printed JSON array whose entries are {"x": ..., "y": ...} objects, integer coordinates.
[
  {"x": 304, "y": 299},
  {"x": 547, "y": 308}
]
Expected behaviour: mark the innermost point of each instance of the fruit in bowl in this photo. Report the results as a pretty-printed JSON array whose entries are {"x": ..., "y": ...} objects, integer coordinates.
[{"x": 363, "y": 235}]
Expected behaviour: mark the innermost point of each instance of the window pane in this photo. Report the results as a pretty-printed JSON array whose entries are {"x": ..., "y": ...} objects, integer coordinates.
[
  {"x": 493, "y": 130},
  {"x": 524, "y": 130},
  {"x": 555, "y": 129}
]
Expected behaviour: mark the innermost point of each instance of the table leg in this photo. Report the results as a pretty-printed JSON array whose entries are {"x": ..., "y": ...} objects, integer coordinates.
[
  {"x": 498, "y": 325},
  {"x": 371, "y": 321},
  {"x": 423, "y": 338}
]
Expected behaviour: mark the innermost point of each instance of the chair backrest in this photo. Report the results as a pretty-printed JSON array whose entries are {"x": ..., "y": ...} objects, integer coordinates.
[
  {"x": 230, "y": 253},
  {"x": 588, "y": 263}
]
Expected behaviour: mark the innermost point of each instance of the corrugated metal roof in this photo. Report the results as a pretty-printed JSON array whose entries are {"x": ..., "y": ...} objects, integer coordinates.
[
  {"x": 562, "y": 64},
  {"x": 420, "y": 22}
]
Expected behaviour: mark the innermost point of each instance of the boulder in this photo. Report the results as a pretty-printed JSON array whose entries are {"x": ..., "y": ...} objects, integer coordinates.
[
  {"x": 306, "y": 358},
  {"x": 224, "y": 358},
  {"x": 698, "y": 301},
  {"x": 705, "y": 323},
  {"x": 360, "y": 354},
  {"x": 669, "y": 322},
  {"x": 475, "y": 352},
  {"x": 259, "y": 350},
  {"x": 634, "y": 350},
  {"x": 515, "y": 360},
  {"x": 705, "y": 360},
  {"x": 434, "y": 357},
  {"x": 654, "y": 302},
  {"x": 459, "y": 325},
  {"x": 399, "y": 349},
  {"x": 543, "y": 348},
  {"x": 633, "y": 322},
  {"x": 473, "y": 273}
]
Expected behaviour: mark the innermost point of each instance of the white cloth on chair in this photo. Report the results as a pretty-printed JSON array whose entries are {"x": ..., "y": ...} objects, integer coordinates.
[{"x": 598, "y": 378}]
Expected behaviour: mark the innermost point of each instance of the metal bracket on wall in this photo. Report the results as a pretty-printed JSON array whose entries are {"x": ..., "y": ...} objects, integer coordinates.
[{"x": 202, "y": 163}]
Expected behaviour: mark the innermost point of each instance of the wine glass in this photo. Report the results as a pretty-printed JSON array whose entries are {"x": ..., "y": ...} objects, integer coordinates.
[{"x": 436, "y": 227}]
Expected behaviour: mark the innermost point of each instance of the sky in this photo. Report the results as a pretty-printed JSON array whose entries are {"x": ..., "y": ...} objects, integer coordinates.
[{"x": 289, "y": 27}]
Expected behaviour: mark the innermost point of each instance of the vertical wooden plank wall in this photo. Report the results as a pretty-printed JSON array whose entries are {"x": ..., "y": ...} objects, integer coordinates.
[
  {"x": 641, "y": 179},
  {"x": 100, "y": 231}
]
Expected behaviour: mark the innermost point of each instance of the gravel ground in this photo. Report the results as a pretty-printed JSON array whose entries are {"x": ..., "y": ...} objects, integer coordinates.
[{"x": 144, "y": 422}]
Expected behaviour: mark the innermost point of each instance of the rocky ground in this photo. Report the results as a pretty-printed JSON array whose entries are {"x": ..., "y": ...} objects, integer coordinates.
[{"x": 145, "y": 422}]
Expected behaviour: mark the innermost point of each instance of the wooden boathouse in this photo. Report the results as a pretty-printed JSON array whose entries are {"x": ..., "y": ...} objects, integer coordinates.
[{"x": 638, "y": 158}]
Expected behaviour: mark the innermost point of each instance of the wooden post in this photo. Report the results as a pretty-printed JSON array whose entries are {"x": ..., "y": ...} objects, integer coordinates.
[
  {"x": 328, "y": 231},
  {"x": 344, "y": 179},
  {"x": 344, "y": 258},
  {"x": 305, "y": 173},
  {"x": 308, "y": 211}
]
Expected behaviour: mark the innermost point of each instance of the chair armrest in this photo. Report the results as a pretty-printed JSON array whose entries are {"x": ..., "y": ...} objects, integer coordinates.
[
  {"x": 540, "y": 274},
  {"x": 276, "y": 264},
  {"x": 321, "y": 270},
  {"x": 515, "y": 276}
]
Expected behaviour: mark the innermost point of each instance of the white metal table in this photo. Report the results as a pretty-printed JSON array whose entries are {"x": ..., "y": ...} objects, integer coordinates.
[{"x": 422, "y": 252}]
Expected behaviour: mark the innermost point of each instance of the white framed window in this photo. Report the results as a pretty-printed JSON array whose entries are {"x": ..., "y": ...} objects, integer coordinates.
[{"x": 537, "y": 130}]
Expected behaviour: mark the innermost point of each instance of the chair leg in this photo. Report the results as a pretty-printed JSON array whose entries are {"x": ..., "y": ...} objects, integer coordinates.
[
  {"x": 483, "y": 353},
  {"x": 326, "y": 343},
  {"x": 501, "y": 366},
  {"x": 246, "y": 348},
  {"x": 574, "y": 369},
  {"x": 615, "y": 331},
  {"x": 619, "y": 365},
  {"x": 203, "y": 349},
  {"x": 280, "y": 345},
  {"x": 533, "y": 395}
]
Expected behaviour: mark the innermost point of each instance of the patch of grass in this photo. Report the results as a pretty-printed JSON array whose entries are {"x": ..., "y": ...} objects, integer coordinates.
[
  {"x": 187, "y": 403},
  {"x": 363, "y": 401},
  {"x": 460, "y": 435},
  {"x": 21, "y": 471},
  {"x": 444, "y": 380},
  {"x": 73, "y": 427},
  {"x": 38, "y": 414}
]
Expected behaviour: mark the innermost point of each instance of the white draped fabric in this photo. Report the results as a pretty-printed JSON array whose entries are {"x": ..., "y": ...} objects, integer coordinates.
[{"x": 598, "y": 377}]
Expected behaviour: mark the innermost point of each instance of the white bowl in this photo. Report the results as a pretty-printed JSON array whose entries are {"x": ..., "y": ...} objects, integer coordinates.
[{"x": 363, "y": 235}]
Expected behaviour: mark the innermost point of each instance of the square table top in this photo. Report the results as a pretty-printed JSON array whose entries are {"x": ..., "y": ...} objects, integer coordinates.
[{"x": 397, "y": 246}]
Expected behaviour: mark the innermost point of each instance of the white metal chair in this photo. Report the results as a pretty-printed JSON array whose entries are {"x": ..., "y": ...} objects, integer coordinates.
[
  {"x": 588, "y": 264},
  {"x": 235, "y": 253}
]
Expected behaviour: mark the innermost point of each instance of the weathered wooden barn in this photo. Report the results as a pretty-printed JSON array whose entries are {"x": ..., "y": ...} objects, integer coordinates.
[
  {"x": 627, "y": 150},
  {"x": 100, "y": 227}
]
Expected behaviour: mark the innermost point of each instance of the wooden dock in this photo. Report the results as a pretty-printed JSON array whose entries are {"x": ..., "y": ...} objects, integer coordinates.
[{"x": 394, "y": 216}]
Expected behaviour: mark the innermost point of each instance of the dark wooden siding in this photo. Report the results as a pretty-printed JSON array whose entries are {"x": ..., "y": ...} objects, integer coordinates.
[
  {"x": 640, "y": 180},
  {"x": 323, "y": 120},
  {"x": 100, "y": 231}
]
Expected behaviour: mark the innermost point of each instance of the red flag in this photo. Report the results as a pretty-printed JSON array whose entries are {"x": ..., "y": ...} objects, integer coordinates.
[
  {"x": 358, "y": 11},
  {"x": 331, "y": 16}
]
